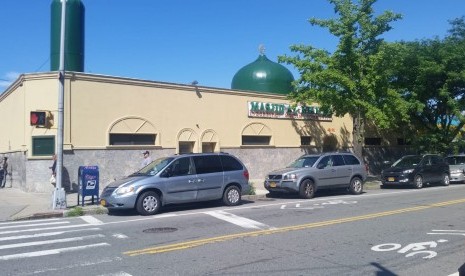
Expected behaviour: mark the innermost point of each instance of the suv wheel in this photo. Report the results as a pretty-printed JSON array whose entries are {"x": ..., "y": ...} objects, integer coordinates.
[
  {"x": 148, "y": 203},
  {"x": 232, "y": 196},
  {"x": 445, "y": 179},
  {"x": 307, "y": 189},
  {"x": 418, "y": 181},
  {"x": 356, "y": 186}
]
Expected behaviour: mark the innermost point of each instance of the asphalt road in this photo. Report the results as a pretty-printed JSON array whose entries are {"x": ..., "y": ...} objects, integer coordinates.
[{"x": 381, "y": 232}]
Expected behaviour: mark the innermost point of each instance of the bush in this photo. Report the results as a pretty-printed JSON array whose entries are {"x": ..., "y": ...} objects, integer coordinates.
[
  {"x": 75, "y": 212},
  {"x": 251, "y": 190}
]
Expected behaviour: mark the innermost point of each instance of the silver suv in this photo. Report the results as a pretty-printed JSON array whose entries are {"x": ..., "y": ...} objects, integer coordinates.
[
  {"x": 318, "y": 171},
  {"x": 179, "y": 179}
]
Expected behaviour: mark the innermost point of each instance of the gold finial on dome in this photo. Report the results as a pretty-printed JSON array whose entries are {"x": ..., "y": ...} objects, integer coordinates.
[{"x": 261, "y": 49}]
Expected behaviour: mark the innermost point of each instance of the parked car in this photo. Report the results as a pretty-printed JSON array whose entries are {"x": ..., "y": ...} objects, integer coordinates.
[
  {"x": 179, "y": 179},
  {"x": 311, "y": 172},
  {"x": 416, "y": 170},
  {"x": 456, "y": 167}
]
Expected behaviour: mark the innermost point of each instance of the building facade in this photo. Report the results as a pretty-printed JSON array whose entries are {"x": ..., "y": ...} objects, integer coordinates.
[{"x": 109, "y": 121}]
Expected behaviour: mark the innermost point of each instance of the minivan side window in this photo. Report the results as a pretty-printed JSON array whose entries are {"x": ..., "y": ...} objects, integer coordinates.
[
  {"x": 207, "y": 164},
  {"x": 351, "y": 160},
  {"x": 181, "y": 166},
  {"x": 230, "y": 163}
]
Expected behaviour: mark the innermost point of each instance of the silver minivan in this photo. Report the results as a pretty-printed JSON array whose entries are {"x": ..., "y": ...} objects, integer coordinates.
[
  {"x": 179, "y": 179},
  {"x": 318, "y": 171}
]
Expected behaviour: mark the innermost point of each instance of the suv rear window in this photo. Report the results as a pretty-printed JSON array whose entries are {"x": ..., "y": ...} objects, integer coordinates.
[
  {"x": 230, "y": 163},
  {"x": 350, "y": 159},
  {"x": 207, "y": 164},
  {"x": 456, "y": 160},
  {"x": 338, "y": 161}
]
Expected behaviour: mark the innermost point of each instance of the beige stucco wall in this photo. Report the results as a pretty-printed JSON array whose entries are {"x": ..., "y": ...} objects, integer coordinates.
[
  {"x": 98, "y": 103},
  {"x": 28, "y": 93}
]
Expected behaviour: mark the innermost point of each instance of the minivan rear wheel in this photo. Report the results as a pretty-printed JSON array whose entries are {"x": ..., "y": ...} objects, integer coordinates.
[
  {"x": 307, "y": 189},
  {"x": 356, "y": 186},
  {"x": 148, "y": 203},
  {"x": 232, "y": 196}
]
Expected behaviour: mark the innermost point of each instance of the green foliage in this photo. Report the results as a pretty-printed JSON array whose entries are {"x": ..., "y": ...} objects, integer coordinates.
[
  {"x": 251, "y": 190},
  {"x": 416, "y": 88},
  {"x": 430, "y": 76},
  {"x": 75, "y": 212},
  {"x": 353, "y": 79}
]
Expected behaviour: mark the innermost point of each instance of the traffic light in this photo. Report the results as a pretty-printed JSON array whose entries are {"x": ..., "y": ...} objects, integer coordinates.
[{"x": 39, "y": 118}]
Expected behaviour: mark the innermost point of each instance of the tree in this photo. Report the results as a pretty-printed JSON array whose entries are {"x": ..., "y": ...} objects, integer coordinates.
[
  {"x": 431, "y": 73},
  {"x": 352, "y": 79}
]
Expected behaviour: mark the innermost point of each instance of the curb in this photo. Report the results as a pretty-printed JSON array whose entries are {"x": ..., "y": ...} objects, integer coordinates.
[
  {"x": 97, "y": 209},
  {"x": 57, "y": 214}
]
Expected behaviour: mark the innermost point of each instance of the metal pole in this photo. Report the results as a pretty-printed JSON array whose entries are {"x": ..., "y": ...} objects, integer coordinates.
[{"x": 59, "y": 196}]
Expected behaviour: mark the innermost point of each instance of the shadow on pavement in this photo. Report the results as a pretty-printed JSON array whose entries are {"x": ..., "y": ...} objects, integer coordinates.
[{"x": 200, "y": 206}]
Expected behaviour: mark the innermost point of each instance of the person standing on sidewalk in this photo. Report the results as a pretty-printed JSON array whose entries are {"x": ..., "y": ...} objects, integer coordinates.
[
  {"x": 53, "y": 180},
  {"x": 147, "y": 160},
  {"x": 3, "y": 172}
]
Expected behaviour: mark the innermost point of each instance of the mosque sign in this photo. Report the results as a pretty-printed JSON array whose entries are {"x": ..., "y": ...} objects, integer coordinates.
[{"x": 286, "y": 111}]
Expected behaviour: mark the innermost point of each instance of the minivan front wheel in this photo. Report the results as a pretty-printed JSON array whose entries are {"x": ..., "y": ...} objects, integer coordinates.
[
  {"x": 148, "y": 203},
  {"x": 307, "y": 189},
  {"x": 232, "y": 196},
  {"x": 356, "y": 186}
]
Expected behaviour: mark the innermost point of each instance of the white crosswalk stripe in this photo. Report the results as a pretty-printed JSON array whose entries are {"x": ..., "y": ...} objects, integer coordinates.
[
  {"x": 34, "y": 238},
  {"x": 51, "y": 251},
  {"x": 45, "y": 234}
]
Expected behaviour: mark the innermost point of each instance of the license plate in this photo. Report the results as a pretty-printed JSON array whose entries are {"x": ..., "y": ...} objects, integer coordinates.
[
  {"x": 103, "y": 202},
  {"x": 391, "y": 179},
  {"x": 272, "y": 184}
]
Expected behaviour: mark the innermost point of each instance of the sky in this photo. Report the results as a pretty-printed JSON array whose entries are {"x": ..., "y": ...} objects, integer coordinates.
[{"x": 181, "y": 41}]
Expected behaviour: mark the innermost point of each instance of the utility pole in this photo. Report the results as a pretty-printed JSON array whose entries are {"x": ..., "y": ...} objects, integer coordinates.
[{"x": 59, "y": 196}]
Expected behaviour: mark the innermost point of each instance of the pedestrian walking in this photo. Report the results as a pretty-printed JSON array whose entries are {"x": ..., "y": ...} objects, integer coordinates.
[
  {"x": 147, "y": 160},
  {"x": 3, "y": 172},
  {"x": 53, "y": 180}
]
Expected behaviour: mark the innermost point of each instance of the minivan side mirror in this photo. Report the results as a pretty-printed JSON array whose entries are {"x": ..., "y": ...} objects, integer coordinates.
[{"x": 320, "y": 166}]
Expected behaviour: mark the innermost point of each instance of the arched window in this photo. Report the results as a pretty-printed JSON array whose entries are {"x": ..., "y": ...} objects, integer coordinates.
[
  {"x": 133, "y": 131},
  {"x": 187, "y": 141},
  {"x": 256, "y": 134},
  {"x": 209, "y": 140}
]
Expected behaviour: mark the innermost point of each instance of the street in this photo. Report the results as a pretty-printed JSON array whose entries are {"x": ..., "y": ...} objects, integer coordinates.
[{"x": 381, "y": 232}]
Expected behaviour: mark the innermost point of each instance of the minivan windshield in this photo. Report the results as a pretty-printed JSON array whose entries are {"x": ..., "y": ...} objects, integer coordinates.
[
  {"x": 304, "y": 162},
  {"x": 154, "y": 167},
  {"x": 407, "y": 161}
]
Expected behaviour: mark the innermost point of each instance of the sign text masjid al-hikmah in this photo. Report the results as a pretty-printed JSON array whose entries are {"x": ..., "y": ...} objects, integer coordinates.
[{"x": 286, "y": 111}]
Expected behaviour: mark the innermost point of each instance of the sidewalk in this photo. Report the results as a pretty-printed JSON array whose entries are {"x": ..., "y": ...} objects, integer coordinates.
[{"x": 16, "y": 204}]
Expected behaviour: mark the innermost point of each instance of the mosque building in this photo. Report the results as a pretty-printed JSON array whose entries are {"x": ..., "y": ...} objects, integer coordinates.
[{"x": 109, "y": 120}]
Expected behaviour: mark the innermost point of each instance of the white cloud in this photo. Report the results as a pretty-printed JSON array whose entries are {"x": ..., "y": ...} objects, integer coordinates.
[{"x": 7, "y": 79}]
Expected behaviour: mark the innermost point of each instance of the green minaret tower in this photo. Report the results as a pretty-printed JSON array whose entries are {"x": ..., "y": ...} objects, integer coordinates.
[{"x": 74, "y": 35}]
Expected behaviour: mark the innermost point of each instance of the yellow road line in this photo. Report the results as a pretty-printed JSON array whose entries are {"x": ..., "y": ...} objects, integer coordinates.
[{"x": 200, "y": 242}]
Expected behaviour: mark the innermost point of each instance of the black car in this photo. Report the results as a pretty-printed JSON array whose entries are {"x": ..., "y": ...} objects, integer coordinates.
[{"x": 416, "y": 170}]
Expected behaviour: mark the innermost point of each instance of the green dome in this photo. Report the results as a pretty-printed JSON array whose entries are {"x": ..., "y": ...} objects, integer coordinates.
[{"x": 263, "y": 75}]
